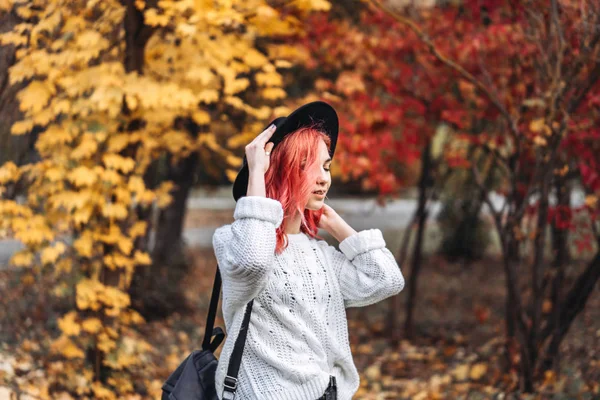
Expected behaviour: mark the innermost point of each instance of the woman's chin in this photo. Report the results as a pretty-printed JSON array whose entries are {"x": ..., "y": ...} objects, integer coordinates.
[{"x": 315, "y": 204}]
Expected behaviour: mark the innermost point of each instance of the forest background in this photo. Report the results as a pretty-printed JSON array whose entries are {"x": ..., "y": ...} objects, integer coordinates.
[{"x": 468, "y": 133}]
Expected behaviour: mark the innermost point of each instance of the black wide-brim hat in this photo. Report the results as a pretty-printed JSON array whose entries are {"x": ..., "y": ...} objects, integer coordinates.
[{"x": 317, "y": 112}]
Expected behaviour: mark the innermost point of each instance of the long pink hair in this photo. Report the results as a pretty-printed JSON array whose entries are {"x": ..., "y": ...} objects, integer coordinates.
[{"x": 291, "y": 179}]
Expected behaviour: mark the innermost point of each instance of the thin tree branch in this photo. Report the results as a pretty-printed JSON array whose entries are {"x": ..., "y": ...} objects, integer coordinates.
[
  {"x": 557, "y": 84},
  {"x": 501, "y": 230},
  {"x": 502, "y": 161},
  {"x": 575, "y": 299}
]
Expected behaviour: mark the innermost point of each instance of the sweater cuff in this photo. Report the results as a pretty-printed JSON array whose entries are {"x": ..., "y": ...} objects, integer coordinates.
[
  {"x": 259, "y": 207},
  {"x": 361, "y": 242}
]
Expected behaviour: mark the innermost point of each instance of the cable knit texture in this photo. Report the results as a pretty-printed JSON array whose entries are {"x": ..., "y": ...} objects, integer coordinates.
[{"x": 298, "y": 332}]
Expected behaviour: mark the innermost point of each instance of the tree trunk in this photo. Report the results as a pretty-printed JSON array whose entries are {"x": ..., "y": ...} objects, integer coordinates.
[
  {"x": 156, "y": 290},
  {"x": 392, "y": 328},
  {"x": 560, "y": 245},
  {"x": 136, "y": 37},
  {"x": 511, "y": 308},
  {"x": 514, "y": 313},
  {"x": 417, "y": 254},
  {"x": 537, "y": 272},
  {"x": 514, "y": 257},
  {"x": 18, "y": 149}
]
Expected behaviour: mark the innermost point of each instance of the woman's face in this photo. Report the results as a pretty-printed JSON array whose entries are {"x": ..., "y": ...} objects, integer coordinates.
[{"x": 321, "y": 186}]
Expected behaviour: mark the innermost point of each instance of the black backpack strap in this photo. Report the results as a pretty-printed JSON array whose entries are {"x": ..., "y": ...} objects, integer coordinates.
[
  {"x": 230, "y": 384},
  {"x": 210, "y": 319}
]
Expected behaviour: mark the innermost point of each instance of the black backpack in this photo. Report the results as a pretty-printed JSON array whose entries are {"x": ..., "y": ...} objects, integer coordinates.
[{"x": 194, "y": 378}]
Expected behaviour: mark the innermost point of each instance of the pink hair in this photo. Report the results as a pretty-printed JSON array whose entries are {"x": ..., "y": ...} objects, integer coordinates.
[{"x": 291, "y": 179}]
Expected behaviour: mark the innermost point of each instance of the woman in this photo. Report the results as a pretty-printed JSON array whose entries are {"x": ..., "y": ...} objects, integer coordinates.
[{"x": 297, "y": 344}]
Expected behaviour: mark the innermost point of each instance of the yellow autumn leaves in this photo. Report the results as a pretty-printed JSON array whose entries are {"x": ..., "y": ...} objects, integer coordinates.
[
  {"x": 35, "y": 96},
  {"x": 119, "y": 163},
  {"x": 94, "y": 185},
  {"x": 32, "y": 231},
  {"x": 108, "y": 338},
  {"x": 9, "y": 172},
  {"x": 93, "y": 295},
  {"x": 82, "y": 176},
  {"x": 51, "y": 253},
  {"x": 541, "y": 130}
]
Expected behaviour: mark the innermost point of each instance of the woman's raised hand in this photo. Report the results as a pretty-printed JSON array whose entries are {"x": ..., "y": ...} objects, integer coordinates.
[
  {"x": 332, "y": 223},
  {"x": 258, "y": 160}
]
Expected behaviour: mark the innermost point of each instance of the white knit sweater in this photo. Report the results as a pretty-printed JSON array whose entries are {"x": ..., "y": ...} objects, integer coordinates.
[{"x": 298, "y": 333}]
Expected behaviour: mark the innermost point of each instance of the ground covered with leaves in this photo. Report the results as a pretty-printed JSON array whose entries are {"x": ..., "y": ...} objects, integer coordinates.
[{"x": 457, "y": 352}]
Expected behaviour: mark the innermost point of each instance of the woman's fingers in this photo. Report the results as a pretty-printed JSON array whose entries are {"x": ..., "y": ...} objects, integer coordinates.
[
  {"x": 269, "y": 147},
  {"x": 256, "y": 151},
  {"x": 264, "y": 136}
]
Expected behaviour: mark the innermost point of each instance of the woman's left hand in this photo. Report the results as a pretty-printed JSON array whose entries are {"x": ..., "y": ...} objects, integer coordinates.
[
  {"x": 328, "y": 218},
  {"x": 332, "y": 223}
]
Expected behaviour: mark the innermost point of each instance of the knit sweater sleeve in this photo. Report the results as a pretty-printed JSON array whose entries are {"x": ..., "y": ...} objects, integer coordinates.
[
  {"x": 367, "y": 271},
  {"x": 245, "y": 249}
]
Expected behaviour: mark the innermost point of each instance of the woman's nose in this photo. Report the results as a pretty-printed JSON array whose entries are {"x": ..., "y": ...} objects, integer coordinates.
[{"x": 323, "y": 178}]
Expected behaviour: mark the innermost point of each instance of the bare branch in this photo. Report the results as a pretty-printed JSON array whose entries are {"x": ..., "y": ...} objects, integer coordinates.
[
  {"x": 556, "y": 21},
  {"x": 502, "y": 161},
  {"x": 557, "y": 84}
]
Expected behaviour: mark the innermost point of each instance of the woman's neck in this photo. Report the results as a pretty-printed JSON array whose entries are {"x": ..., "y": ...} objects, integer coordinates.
[{"x": 292, "y": 225}]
